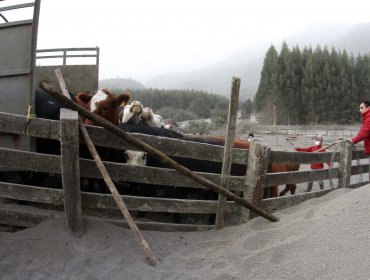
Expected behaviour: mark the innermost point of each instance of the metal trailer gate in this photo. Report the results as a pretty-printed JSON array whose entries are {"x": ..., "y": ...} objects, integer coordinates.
[
  {"x": 78, "y": 76},
  {"x": 19, "y": 75},
  {"x": 17, "y": 66}
]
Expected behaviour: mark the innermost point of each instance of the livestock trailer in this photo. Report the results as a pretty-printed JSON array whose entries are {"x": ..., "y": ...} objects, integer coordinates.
[
  {"x": 17, "y": 65},
  {"x": 22, "y": 66}
]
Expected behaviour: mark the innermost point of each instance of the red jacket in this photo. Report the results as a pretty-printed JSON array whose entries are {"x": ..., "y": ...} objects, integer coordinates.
[
  {"x": 313, "y": 149},
  {"x": 364, "y": 133}
]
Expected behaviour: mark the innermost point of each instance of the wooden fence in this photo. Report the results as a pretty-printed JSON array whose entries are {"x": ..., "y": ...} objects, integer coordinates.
[{"x": 44, "y": 202}]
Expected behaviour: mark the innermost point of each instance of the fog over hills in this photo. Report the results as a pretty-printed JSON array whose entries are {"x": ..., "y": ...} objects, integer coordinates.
[
  {"x": 248, "y": 61},
  {"x": 356, "y": 40}
]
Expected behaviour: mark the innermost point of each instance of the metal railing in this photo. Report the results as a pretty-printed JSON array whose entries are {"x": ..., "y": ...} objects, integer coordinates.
[{"x": 64, "y": 53}]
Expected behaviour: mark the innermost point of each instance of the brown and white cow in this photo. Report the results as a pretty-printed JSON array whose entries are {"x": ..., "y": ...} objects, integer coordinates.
[{"x": 104, "y": 104}]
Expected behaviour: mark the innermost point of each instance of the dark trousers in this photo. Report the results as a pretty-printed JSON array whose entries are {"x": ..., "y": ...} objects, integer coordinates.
[{"x": 310, "y": 184}]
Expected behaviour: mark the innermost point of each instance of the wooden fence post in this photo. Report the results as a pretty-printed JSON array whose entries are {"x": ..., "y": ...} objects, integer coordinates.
[
  {"x": 228, "y": 151},
  {"x": 70, "y": 167},
  {"x": 345, "y": 164},
  {"x": 258, "y": 159}
]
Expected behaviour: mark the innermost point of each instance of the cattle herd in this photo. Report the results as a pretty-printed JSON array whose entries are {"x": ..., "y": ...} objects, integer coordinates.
[{"x": 133, "y": 117}]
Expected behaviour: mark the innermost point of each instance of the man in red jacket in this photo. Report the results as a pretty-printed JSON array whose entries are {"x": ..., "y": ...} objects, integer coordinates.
[
  {"x": 317, "y": 146},
  {"x": 364, "y": 133}
]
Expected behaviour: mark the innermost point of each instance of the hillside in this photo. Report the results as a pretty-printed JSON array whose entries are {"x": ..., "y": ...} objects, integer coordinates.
[
  {"x": 121, "y": 83},
  {"x": 357, "y": 40},
  {"x": 247, "y": 63}
]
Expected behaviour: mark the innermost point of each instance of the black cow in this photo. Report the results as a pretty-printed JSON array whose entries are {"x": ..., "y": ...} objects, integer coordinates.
[{"x": 46, "y": 107}]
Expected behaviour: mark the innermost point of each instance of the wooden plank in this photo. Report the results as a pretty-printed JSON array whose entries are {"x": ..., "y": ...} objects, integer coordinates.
[
  {"x": 70, "y": 167},
  {"x": 105, "y": 201},
  {"x": 279, "y": 203},
  {"x": 308, "y": 158},
  {"x": 345, "y": 162},
  {"x": 258, "y": 158},
  {"x": 358, "y": 154},
  {"x": 171, "y": 147},
  {"x": 31, "y": 193},
  {"x": 17, "y": 124},
  {"x": 273, "y": 179},
  {"x": 26, "y": 216},
  {"x": 301, "y": 157},
  {"x": 151, "y": 204},
  {"x": 166, "y": 227},
  {"x": 359, "y": 169},
  {"x": 358, "y": 185},
  {"x": 24, "y": 160},
  {"x": 153, "y": 175}
]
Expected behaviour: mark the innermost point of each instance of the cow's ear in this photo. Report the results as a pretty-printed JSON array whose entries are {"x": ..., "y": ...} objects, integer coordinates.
[
  {"x": 83, "y": 98},
  {"x": 122, "y": 99}
]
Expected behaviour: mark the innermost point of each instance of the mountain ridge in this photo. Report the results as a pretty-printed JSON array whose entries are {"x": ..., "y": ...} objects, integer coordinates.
[{"x": 247, "y": 62}]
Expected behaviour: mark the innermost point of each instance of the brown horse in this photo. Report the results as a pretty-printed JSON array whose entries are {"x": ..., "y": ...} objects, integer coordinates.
[
  {"x": 272, "y": 191},
  {"x": 239, "y": 143}
]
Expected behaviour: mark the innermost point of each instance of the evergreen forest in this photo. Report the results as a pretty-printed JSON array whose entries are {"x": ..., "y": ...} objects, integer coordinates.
[{"x": 312, "y": 86}]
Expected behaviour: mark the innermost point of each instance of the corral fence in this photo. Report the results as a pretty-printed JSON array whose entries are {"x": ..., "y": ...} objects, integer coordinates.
[{"x": 43, "y": 202}]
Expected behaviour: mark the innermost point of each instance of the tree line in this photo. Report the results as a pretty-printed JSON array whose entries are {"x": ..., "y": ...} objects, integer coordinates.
[{"x": 312, "y": 86}]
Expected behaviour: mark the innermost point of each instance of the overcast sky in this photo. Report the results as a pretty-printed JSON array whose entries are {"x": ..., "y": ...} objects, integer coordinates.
[{"x": 142, "y": 38}]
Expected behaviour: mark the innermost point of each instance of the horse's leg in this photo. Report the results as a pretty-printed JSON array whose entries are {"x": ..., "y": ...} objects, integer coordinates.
[
  {"x": 293, "y": 188},
  {"x": 289, "y": 187},
  {"x": 285, "y": 190},
  {"x": 274, "y": 191}
]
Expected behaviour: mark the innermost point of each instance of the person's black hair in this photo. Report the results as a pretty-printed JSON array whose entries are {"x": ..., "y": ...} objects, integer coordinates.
[{"x": 366, "y": 102}]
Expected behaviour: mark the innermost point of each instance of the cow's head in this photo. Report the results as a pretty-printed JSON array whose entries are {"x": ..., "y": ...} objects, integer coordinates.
[
  {"x": 135, "y": 157},
  {"x": 132, "y": 113},
  {"x": 103, "y": 104},
  {"x": 149, "y": 118}
]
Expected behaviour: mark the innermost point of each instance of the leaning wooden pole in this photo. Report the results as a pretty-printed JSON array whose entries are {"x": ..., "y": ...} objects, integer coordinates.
[
  {"x": 329, "y": 145},
  {"x": 107, "y": 179},
  {"x": 156, "y": 153}
]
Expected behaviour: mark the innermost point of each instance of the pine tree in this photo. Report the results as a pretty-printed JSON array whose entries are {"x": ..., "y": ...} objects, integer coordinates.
[{"x": 268, "y": 89}]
